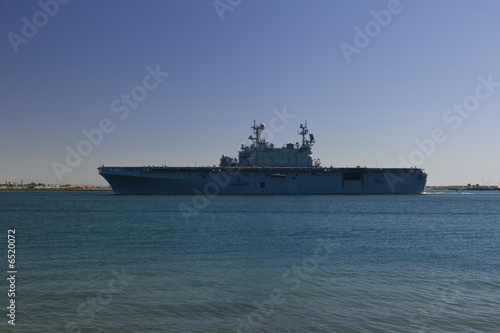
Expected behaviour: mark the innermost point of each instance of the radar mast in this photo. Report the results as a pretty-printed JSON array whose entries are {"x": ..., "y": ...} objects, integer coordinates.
[
  {"x": 304, "y": 131},
  {"x": 257, "y": 130}
]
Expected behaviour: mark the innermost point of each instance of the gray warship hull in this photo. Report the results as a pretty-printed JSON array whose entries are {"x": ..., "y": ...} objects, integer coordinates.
[
  {"x": 262, "y": 168},
  {"x": 263, "y": 180}
]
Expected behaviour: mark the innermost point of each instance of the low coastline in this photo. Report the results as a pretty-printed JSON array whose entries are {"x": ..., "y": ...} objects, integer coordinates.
[
  {"x": 56, "y": 189},
  {"x": 76, "y": 188},
  {"x": 462, "y": 188}
]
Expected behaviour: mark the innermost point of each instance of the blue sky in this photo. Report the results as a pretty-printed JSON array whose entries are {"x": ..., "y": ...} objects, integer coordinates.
[{"x": 246, "y": 60}]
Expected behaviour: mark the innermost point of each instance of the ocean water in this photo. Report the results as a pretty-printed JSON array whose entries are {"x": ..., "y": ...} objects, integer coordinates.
[{"x": 96, "y": 262}]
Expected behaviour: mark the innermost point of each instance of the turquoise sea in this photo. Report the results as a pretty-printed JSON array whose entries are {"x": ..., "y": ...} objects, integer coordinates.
[{"x": 97, "y": 262}]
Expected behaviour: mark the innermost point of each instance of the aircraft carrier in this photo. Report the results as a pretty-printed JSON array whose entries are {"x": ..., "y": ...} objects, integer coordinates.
[{"x": 262, "y": 168}]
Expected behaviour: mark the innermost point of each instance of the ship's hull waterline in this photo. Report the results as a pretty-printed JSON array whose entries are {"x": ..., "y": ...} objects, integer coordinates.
[
  {"x": 263, "y": 181},
  {"x": 262, "y": 168}
]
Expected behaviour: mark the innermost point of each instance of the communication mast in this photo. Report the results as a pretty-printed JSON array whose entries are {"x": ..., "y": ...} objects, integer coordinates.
[
  {"x": 304, "y": 131},
  {"x": 257, "y": 130}
]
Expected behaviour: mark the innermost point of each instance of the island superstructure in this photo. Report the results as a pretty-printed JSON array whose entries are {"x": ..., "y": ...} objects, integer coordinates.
[{"x": 262, "y": 168}]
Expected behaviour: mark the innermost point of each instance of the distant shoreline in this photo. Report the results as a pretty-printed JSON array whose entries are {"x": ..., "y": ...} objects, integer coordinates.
[
  {"x": 56, "y": 189},
  {"x": 462, "y": 188},
  {"x": 108, "y": 188}
]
